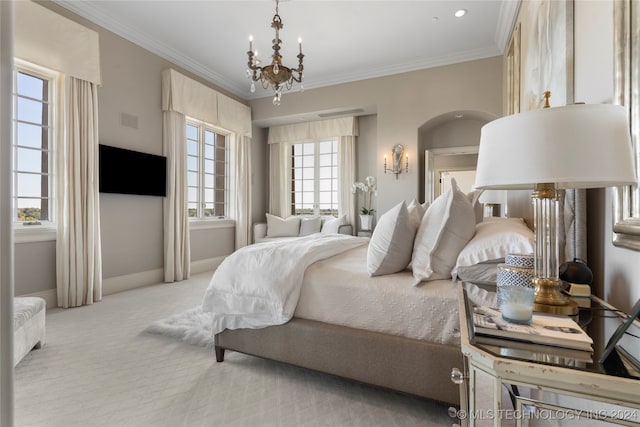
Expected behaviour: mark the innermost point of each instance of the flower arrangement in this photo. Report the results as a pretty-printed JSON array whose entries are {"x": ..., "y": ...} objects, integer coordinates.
[{"x": 368, "y": 188}]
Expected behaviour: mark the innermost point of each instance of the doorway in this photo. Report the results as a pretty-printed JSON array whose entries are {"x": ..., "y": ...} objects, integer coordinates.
[
  {"x": 441, "y": 164},
  {"x": 464, "y": 178}
]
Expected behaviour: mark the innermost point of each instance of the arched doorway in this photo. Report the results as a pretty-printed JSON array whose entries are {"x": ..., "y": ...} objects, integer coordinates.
[{"x": 448, "y": 146}]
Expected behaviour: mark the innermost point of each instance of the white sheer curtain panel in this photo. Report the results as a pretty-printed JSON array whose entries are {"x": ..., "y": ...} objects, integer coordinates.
[
  {"x": 241, "y": 209},
  {"x": 280, "y": 179},
  {"x": 346, "y": 178},
  {"x": 78, "y": 254},
  {"x": 177, "y": 257}
]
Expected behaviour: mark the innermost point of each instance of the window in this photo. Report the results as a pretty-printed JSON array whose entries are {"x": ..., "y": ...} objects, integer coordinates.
[
  {"x": 315, "y": 178},
  {"x": 33, "y": 145},
  {"x": 207, "y": 168}
]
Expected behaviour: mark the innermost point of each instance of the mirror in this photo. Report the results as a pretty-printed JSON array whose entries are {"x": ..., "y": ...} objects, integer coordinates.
[
  {"x": 626, "y": 228},
  {"x": 443, "y": 163}
]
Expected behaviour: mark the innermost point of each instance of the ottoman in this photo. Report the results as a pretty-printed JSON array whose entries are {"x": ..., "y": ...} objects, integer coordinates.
[{"x": 28, "y": 325}]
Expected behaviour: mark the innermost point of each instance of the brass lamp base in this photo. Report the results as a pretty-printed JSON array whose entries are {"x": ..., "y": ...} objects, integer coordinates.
[{"x": 550, "y": 299}]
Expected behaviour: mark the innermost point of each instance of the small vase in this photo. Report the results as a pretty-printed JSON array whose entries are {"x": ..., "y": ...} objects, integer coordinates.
[{"x": 366, "y": 222}]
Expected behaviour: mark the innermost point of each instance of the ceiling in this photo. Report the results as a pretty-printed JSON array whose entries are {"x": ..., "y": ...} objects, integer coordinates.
[{"x": 342, "y": 40}]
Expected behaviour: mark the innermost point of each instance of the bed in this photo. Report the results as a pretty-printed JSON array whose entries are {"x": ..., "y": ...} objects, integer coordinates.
[{"x": 383, "y": 330}]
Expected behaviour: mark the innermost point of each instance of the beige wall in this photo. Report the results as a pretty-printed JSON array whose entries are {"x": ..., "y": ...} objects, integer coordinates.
[{"x": 404, "y": 102}]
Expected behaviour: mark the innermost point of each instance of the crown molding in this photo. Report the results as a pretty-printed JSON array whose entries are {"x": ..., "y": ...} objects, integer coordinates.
[{"x": 506, "y": 21}]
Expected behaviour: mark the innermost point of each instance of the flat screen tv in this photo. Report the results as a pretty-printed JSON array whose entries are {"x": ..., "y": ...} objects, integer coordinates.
[{"x": 125, "y": 171}]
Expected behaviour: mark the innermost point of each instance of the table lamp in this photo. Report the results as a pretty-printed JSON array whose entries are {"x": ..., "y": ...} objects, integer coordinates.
[{"x": 576, "y": 146}]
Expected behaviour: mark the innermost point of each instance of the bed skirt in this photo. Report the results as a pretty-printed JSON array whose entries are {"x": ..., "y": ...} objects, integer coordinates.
[{"x": 406, "y": 365}]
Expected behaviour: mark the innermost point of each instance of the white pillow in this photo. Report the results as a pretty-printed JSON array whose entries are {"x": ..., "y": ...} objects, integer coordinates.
[
  {"x": 473, "y": 197},
  {"x": 392, "y": 242},
  {"x": 446, "y": 227},
  {"x": 310, "y": 225},
  {"x": 416, "y": 211},
  {"x": 332, "y": 225},
  {"x": 278, "y": 227},
  {"x": 494, "y": 239}
]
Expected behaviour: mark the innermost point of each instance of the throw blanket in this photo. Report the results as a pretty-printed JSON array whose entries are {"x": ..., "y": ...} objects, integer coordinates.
[{"x": 259, "y": 285}]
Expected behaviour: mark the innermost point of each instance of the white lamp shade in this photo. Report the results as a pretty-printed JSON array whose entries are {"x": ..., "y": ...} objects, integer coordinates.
[
  {"x": 498, "y": 197},
  {"x": 577, "y": 146}
]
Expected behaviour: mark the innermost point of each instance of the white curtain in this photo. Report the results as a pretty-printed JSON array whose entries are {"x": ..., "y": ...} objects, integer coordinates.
[
  {"x": 280, "y": 179},
  {"x": 184, "y": 97},
  {"x": 78, "y": 254},
  {"x": 242, "y": 188},
  {"x": 346, "y": 178},
  {"x": 177, "y": 257},
  {"x": 280, "y": 140}
]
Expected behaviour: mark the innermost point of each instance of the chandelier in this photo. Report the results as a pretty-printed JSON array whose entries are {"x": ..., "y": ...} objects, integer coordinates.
[{"x": 275, "y": 74}]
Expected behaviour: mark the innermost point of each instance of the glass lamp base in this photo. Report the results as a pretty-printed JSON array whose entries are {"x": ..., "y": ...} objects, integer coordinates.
[{"x": 550, "y": 299}]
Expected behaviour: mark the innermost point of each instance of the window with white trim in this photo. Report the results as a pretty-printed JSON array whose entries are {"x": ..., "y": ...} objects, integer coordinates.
[
  {"x": 33, "y": 145},
  {"x": 207, "y": 171},
  {"x": 314, "y": 175}
]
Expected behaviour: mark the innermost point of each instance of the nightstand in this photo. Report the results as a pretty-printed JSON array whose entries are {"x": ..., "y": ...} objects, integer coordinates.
[{"x": 510, "y": 383}]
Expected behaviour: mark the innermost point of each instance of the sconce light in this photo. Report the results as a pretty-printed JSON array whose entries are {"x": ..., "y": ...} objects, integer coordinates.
[{"x": 396, "y": 156}]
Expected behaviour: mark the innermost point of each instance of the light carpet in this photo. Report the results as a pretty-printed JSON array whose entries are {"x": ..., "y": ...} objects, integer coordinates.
[{"x": 99, "y": 368}]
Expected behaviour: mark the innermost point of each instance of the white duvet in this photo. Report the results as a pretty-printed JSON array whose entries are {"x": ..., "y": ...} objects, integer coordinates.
[{"x": 259, "y": 285}]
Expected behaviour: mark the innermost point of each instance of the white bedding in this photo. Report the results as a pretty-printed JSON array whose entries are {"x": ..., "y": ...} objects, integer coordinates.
[
  {"x": 338, "y": 290},
  {"x": 259, "y": 285}
]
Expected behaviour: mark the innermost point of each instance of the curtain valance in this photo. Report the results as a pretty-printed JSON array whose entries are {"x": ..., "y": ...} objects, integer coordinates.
[
  {"x": 311, "y": 131},
  {"x": 45, "y": 38},
  {"x": 191, "y": 98}
]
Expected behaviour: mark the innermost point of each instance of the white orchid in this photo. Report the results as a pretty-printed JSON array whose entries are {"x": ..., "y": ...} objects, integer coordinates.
[{"x": 368, "y": 187}]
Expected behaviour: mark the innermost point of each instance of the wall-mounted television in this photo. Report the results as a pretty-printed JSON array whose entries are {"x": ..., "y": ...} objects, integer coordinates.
[{"x": 125, "y": 171}]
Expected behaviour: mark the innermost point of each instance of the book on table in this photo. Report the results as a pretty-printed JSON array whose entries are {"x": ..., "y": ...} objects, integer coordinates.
[
  {"x": 532, "y": 351},
  {"x": 559, "y": 331}
]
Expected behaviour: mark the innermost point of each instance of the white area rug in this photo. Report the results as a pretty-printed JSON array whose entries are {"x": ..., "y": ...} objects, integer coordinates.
[{"x": 192, "y": 326}]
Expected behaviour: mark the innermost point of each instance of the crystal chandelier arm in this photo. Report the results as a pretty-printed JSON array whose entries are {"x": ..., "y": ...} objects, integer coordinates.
[
  {"x": 251, "y": 64},
  {"x": 299, "y": 69}
]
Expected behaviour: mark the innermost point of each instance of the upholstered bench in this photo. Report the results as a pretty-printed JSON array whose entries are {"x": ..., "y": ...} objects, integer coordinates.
[{"x": 28, "y": 325}]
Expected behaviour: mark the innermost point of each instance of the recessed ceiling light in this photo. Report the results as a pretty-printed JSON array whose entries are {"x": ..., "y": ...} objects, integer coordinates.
[{"x": 460, "y": 13}]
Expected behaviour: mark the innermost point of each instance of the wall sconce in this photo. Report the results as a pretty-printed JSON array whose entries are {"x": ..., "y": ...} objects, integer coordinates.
[{"x": 396, "y": 156}]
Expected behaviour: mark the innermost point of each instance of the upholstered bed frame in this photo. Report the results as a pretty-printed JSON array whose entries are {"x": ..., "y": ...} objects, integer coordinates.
[{"x": 407, "y": 365}]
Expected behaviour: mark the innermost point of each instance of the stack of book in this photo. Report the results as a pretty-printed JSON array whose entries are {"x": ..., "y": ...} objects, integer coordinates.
[
  {"x": 549, "y": 335},
  {"x": 581, "y": 294}
]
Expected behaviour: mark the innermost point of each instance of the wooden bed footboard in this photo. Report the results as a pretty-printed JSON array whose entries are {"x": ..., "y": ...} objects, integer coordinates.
[{"x": 406, "y": 365}]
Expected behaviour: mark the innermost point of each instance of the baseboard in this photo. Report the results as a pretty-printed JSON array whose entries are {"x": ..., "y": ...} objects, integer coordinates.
[
  {"x": 50, "y": 296},
  {"x": 127, "y": 282},
  {"x": 209, "y": 264}
]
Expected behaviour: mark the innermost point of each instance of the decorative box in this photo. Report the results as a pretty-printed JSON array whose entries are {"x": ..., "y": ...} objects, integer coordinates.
[
  {"x": 509, "y": 275},
  {"x": 519, "y": 260}
]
